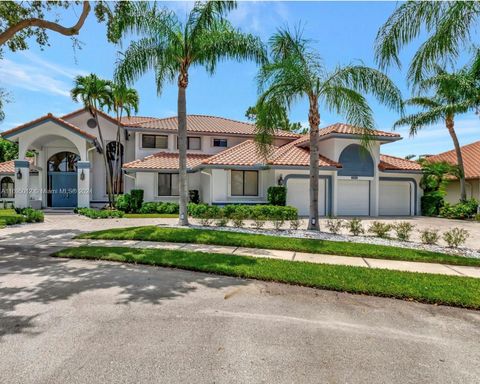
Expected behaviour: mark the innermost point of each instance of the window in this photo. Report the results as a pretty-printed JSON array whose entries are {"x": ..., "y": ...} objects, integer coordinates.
[
  {"x": 7, "y": 188},
  {"x": 194, "y": 143},
  {"x": 168, "y": 184},
  {"x": 155, "y": 141},
  {"x": 220, "y": 143},
  {"x": 63, "y": 162},
  {"x": 244, "y": 183}
]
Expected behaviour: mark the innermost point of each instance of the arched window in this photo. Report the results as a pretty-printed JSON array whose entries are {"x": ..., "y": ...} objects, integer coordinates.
[
  {"x": 63, "y": 162},
  {"x": 115, "y": 162},
  {"x": 356, "y": 161},
  {"x": 7, "y": 188}
]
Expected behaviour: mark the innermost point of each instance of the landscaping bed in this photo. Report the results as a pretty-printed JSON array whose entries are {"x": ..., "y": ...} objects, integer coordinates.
[
  {"x": 26, "y": 215},
  {"x": 427, "y": 288},
  {"x": 241, "y": 238}
]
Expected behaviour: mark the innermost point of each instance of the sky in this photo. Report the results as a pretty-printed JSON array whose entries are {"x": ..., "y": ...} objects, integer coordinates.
[{"x": 39, "y": 81}]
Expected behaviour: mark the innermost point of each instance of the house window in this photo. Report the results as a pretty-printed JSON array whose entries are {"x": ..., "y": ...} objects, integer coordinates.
[
  {"x": 7, "y": 188},
  {"x": 155, "y": 141},
  {"x": 220, "y": 143},
  {"x": 168, "y": 184},
  {"x": 194, "y": 143},
  {"x": 244, "y": 183}
]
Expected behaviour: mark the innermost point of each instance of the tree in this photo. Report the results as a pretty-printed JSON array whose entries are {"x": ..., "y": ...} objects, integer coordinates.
[
  {"x": 295, "y": 72},
  {"x": 123, "y": 100},
  {"x": 8, "y": 150},
  {"x": 94, "y": 92},
  {"x": 449, "y": 25},
  {"x": 283, "y": 123},
  {"x": 171, "y": 48},
  {"x": 453, "y": 94}
]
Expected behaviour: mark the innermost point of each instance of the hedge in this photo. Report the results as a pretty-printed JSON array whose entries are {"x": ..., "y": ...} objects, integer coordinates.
[
  {"x": 99, "y": 214},
  {"x": 159, "y": 207},
  {"x": 246, "y": 212}
]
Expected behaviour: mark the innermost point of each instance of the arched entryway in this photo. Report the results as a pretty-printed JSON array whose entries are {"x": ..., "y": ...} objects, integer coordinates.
[{"x": 62, "y": 180}]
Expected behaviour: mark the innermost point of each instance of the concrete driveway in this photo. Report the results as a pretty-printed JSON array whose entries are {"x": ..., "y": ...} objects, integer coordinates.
[{"x": 75, "y": 321}]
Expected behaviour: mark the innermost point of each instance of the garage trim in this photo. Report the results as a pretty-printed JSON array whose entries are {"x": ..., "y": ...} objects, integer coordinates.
[
  {"x": 328, "y": 202},
  {"x": 415, "y": 188}
]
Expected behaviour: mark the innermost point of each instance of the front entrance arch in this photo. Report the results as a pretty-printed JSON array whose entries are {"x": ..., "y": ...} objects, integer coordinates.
[{"x": 62, "y": 180}]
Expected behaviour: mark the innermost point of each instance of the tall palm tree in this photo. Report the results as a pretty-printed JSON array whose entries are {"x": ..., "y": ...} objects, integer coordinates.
[
  {"x": 295, "y": 72},
  {"x": 171, "y": 48},
  {"x": 95, "y": 92},
  {"x": 123, "y": 100},
  {"x": 449, "y": 25},
  {"x": 453, "y": 94}
]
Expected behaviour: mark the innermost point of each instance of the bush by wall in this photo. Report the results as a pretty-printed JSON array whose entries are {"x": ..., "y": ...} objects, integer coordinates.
[
  {"x": 463, "y": 210},
  {"x": 136, "y": 200},
  {"x": 193, "y": 196},
  {"x": 22, "y": 215},
  {"x": 99, "y": 214},
  {"x": 159, "y": 207},
  {"x": 277, "y": 195},
  {"x": 243, "y": 212},
  {"x": 124, "y": 202},
  {"x": 431, "y": 203}
]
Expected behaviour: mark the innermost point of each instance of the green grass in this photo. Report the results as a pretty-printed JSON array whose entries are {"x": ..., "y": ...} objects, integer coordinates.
[
  {"x": 202, "y": 236},
  {"x": 151, "y": 215},
  {"x": 427, "y": 288}
]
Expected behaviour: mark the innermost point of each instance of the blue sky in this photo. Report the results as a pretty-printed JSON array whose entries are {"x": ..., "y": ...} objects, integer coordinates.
[{"x": 342, "y": 32}]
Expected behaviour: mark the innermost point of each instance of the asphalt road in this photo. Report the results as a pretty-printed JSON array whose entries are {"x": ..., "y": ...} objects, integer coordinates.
[{"x": 69, "y": 321}]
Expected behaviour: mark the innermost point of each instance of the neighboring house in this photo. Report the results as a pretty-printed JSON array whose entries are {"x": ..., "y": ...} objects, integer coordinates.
[
  {"x": 223, "y": 165},
  {"x": 471, "y": 164}
]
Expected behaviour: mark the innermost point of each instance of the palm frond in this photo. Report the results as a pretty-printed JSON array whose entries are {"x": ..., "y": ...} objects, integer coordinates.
[
  {"x": 204, "y": 14},
  {"x": 424, "y": 102},
  {"x": 419, "y": 120}
]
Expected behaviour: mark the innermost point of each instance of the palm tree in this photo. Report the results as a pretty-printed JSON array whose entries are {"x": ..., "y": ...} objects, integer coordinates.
[
  {"x": 123, "y": 100},
  {"x": 171, "y": 48},
  {"x": 453, "y": 94},
  {"x": 94, "y": 92},
  {"x": 296, "y": 72},
  {"x": 449, "y": 25}
]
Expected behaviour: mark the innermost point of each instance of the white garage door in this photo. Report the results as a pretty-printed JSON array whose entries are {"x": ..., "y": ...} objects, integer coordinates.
[
  {"x": 353, "y": 197},
  {"x": 395, "y": 198},
  {"x": 298, "y": 196}
]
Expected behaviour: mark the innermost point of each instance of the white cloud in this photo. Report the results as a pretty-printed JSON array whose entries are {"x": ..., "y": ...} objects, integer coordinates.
[
  {"x": 38, "y": 75},
  {"x": 257, "y": 16}
]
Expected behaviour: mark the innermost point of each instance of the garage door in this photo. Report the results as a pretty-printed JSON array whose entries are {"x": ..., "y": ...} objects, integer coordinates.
[
  {"x": 353, "y": 197},
  {"x": 395, "y": 198},
  {"x": 298, "y": 195}
]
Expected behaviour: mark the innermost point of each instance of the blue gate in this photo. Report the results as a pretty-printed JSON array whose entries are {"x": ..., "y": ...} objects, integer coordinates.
[{"x": 63, "y": 189}]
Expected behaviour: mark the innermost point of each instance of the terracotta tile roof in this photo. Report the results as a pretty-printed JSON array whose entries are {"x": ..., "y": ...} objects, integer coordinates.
[
  {"x": 206, "y": 124},
  {"x": 125, "y": 120},
  {"x": 392, "y": 163},
  {"x": 165, "y": 160},
  {"x": 48, "y": 117},
  {"x": 348, "y": 129},
  {"x": 81, "y": 110},
  {"x": 245, "y": 153},
  {"x": 8, "y": 167},
  {"x": 471, "y": 159}
]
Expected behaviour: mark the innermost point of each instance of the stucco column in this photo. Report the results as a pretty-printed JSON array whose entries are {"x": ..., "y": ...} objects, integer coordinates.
[
  {"x": 22, "y": 184},
  {"x": 83, "y": 184}
]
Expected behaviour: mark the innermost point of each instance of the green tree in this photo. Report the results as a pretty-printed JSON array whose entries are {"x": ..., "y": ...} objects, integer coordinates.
[
  {"x": 123, "y": 100},
  {"x": 8, "y": 150},
  {"x": 283, "y": 123},
  {"x": 171, "y": 48},
  {"x": 453, "y": 94},
  {"x": 295, "y": 72},
  {"x": 94, "y": 92},
  {"x": 448, "y": 24}
]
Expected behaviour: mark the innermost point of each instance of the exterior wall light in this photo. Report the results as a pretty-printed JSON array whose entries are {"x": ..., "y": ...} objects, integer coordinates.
[
  {"x": 82, "y": 175},
  {"x": 280, "y": 180},
  {"x": 19, "y": 174}
]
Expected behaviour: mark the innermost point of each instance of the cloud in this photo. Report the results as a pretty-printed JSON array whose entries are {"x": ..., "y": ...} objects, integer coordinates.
[
  {"x": 38, "y": 75},
  {"x": 258, "y": 17}
]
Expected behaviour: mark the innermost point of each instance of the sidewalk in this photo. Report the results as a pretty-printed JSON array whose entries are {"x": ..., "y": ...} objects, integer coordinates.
[{"x": 409, "y": 266}]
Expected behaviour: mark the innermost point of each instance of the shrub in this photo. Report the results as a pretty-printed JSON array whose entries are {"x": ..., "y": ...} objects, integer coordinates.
[
  {"x": 477, "y": 217},
  {"x": 124, "y": 203},
  {"x": 403, "y": 230},
  {"x": 33, "y": 215},
  {"x": 238, "y": 219},
  {"x": 429, "y": 236},
  {"x": 295, "y": 224},
  {"x": 431, "y": 203},
  {"x": 355, "y": 226},
  {"x": 463, "y": 210},
  {"x": 456, "y": 237},
  {"x": 136, "y": 200},
  {"x": 12, "y": 219},
  {"x": 258, "y": 217},
  {"x": 334, "y": 225},
  {"x": 380, "y": 229},
  {"x": 194, "y": 196},
  {"x": 222, "y": 221},
  {"x": 277, "y": 195},
  {"x": 99, "y": 214},
  {"x": 159, "y": 207}
]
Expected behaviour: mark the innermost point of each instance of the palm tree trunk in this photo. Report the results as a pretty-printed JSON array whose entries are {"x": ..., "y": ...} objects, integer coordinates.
[
  {"x": 314, "y": 121},
  {"x": 105, "y": 160},
  {"x": 182, "y": 147},
  {"x": 450, "y": 126}
]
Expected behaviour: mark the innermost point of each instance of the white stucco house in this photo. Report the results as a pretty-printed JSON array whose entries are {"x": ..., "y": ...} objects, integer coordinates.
[{"x": 223, "y": 165}]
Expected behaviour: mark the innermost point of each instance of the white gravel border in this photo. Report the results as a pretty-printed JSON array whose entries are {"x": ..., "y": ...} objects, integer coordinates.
[{"x": 306, "y": 234}]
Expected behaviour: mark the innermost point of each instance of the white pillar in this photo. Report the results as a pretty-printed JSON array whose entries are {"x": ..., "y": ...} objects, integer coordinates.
[
  {"x": 22, "y": 183},
  {"x": 83, "y": 184}
]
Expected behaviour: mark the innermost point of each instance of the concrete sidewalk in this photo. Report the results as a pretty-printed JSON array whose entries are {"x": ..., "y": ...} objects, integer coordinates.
[{"x": 398, "y": 265}]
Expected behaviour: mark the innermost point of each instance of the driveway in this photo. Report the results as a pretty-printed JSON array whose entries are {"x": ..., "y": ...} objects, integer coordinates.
[{"x": 76, "y": 321}]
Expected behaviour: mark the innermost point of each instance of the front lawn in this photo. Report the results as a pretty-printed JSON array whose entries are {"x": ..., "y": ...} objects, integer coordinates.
[
  {"x": 151, "y": 215},
  {"x": 237, "y": 239},
  {"x": 428, "y": 288}
]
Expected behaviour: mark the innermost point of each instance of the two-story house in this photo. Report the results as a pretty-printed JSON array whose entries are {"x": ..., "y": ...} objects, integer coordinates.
[{"x": 224, "y": 165}]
